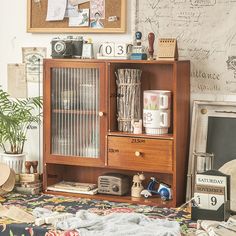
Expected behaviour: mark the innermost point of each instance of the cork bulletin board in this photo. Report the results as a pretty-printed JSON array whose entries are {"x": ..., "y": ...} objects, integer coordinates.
[{"x": 36, "y": 19}]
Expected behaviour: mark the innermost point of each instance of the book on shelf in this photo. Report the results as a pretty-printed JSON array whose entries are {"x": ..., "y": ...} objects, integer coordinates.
[
  {"x": 75, "y": 186},
  {"x": 26, "y": 178},
  {"x": 90, "y": 192},
  {"x": 27, "y": 190},
  {"x": 29, "y": 184}
]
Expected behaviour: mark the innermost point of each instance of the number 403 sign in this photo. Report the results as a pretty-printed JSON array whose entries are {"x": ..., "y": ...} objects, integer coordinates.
[{"x": 114, "y": 50}]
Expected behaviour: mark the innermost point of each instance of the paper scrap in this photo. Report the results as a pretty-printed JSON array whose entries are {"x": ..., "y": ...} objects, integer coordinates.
[
  {"x": 112, "y": 18},
  {"x": 17, "y": 86},
  {"x": 77, "y": 2},
  {"x": 33, "y": 58},
  {"x": 81, "y": 20},
  {"x": 19, "y": 215},
  {"x": 71, "y": 11},
  {"x": 3, "y": 210},
  {"x": 97, "y": 6},
  {"x": 56, "y": 10}
]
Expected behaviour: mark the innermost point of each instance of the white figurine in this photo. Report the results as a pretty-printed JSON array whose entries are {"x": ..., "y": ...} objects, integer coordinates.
[
  {"x": 137, "y": 126},
  {"x": 137, "y": 185}
]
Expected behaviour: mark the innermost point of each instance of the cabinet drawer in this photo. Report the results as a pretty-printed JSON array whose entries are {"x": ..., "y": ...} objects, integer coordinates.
[{"x": 141, "y": 154}]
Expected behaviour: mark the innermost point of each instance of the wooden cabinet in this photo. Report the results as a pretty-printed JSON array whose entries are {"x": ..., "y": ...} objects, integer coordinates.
[{"x": 81, "y": 137}]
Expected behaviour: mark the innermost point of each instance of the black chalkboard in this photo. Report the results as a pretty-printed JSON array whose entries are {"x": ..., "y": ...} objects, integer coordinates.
[{"x": 221, "y": 139}]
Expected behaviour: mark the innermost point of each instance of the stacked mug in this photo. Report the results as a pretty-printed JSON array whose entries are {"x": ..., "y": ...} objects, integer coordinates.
[{"x": 156, "y": 111}]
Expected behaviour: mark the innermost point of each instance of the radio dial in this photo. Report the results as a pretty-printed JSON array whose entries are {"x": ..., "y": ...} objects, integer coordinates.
[{"x": 115, "y": 188}]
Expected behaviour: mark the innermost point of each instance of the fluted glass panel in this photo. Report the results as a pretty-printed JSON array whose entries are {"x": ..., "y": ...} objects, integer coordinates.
[{"x": 75, "y": 109}]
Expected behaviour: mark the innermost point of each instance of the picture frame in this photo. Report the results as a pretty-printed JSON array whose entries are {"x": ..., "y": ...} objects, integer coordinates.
[
  {"x": 205, "y": 115},
  {"x": 33, "y": 59},
  {"x": 114, "y": 22}
]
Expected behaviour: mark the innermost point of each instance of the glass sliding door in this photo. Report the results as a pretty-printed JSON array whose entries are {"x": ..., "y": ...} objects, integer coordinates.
[{"x": 75, "y": 121}]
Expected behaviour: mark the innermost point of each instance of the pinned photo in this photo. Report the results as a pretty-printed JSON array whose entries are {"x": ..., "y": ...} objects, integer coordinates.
[
  {"x": 81, "y": 20},
  {"x": 97, "y": 6},
  {"x": 96, "y": 23}
]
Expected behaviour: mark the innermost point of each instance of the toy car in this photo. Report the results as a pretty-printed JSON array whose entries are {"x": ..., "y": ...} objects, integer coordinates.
[{"x": 164, "y": 191}]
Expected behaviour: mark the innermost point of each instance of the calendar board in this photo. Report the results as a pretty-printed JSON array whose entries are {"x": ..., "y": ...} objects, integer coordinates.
[
  {"x": 210, "y": 191},
  {"x": 167, "y": 49},
  {"x": 211, "y": 196}
]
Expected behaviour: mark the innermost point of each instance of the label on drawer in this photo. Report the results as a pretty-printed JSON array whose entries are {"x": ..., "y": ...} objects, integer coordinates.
[
  {"x": 111, "y": 150},
  {"x": 137, "y": 140}
]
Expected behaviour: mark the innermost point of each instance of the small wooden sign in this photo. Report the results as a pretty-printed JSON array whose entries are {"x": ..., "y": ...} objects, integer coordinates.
[{"x": 167, "y": 49}]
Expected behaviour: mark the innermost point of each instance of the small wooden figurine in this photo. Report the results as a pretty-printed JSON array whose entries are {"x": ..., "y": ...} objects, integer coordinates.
[
  {"x": 27, "y": 167},
  {"x": 35, "y": 166},
  {"x": 29, "y": 164},
  {"x": 137, "y": 185}
]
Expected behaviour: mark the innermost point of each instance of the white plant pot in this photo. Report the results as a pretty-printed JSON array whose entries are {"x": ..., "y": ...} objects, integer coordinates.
[{"x": 14, "y": 161}]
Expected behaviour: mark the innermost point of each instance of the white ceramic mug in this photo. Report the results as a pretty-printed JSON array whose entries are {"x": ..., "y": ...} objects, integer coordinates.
[
  {"x": 156, "y": 99},
  {"x": 156, "y": 121}
]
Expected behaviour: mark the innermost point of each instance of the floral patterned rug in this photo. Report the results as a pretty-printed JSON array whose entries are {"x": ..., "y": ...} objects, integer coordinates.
[{"x": 72, "y": 205}]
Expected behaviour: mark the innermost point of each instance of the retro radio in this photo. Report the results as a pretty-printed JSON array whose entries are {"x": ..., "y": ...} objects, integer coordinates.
[{"x": 113, "y": 183}]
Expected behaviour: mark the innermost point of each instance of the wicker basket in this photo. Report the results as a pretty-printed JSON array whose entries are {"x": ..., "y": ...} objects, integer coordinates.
[{"x": 128, "y": 98}]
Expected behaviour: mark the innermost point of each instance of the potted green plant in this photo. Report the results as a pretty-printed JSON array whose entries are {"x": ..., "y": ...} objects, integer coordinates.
[{"x": 16, "y": 116}]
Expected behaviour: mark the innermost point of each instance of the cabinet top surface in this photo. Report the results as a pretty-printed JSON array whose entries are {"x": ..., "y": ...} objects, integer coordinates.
[{"x": 116, "y": 61}]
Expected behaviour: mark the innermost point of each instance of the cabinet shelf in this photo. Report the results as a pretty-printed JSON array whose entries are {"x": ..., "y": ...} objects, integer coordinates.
[
  {"x": 126, "y": 134},
  {"x": 138, "y": 170},
  {"x": 81, "y": 161},
  {"x": 115, "y": 61},
  {"x": 79, "y": 112},
  {"x": 152, "y": 201}
]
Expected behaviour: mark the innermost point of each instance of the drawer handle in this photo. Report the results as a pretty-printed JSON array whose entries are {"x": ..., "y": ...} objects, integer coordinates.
[{"x": 138, "y": 154}]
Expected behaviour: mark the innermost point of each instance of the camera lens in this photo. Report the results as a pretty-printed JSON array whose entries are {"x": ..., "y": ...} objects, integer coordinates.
[{"x": 60, "y": 47}]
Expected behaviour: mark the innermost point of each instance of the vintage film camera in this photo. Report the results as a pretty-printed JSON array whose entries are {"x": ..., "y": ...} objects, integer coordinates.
[{"x": 67, "y": 47}]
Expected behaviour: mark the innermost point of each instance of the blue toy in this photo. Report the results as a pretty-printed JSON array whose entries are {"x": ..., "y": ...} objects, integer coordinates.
[
  {"x": 164, "y": 191},
  {"x": 138, "y": 51}
]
